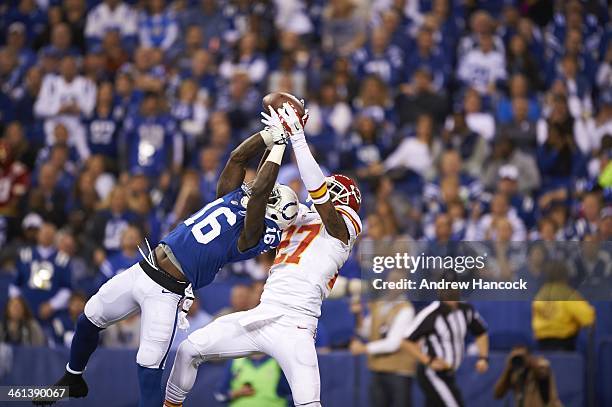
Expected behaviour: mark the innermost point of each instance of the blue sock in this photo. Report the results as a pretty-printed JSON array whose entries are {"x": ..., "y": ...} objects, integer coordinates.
[
  {"x": 84, "y": 343},
  {"x": 150, "y": 387}
]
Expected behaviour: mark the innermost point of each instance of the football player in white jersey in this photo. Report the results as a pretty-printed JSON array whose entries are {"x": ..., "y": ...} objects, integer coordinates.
[{"x": 308, "y": 258}]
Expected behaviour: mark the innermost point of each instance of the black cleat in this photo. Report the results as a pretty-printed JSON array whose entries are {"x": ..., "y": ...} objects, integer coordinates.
[{"x": 77, "y": 388}]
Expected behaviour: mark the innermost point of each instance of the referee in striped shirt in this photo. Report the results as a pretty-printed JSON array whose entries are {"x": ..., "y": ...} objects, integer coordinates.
[{"x": 436, "y": 338}]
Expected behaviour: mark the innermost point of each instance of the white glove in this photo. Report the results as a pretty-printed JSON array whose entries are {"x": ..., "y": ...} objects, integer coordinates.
[
  {"x": 274, "y": 132},
  {"x": 293, "y": 122},
  {"x": 187, "y": 302}
]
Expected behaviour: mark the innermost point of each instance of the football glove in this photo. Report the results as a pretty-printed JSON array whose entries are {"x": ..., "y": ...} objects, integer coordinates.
[{"x": 274, "y": 131}]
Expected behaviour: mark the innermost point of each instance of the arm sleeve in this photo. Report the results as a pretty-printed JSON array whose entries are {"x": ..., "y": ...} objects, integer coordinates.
[
  {"x": 310, "y": 172},
  {"x": 392, "y": 341}
]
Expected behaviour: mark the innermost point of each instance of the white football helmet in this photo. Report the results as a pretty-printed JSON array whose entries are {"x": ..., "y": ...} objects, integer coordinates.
[{"x": 283, "y": 206}]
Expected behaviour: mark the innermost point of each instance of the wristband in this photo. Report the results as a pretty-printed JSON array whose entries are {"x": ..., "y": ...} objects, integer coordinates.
[
  {"x": 276, "y": 154},
  {"x": 320, "y": 195},
  {"x": 485, "y": 358},
  {"x": 266, "y": 136}
]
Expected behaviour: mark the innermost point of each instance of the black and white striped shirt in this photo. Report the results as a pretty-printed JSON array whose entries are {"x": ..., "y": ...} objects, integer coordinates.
[{"x": 444, "y": 330}]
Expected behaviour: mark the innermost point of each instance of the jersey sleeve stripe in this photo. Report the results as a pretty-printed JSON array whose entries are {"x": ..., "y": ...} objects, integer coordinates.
[
  {"x": 353, "y": 221},
  {"x": 319, "y": 192}
]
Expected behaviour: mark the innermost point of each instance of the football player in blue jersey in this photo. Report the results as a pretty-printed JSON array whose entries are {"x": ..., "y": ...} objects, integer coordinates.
[{"x": 241, "y": 223}]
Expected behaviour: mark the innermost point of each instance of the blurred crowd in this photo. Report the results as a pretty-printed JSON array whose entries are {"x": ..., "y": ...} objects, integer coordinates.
[{"x": 461, "y": 120}]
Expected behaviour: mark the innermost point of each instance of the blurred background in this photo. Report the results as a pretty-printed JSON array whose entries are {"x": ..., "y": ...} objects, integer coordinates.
[{"x": 460, "y": 119}]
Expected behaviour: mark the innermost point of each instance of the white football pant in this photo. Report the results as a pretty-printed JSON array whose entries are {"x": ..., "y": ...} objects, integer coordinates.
[{"x": 267, "y": 329}]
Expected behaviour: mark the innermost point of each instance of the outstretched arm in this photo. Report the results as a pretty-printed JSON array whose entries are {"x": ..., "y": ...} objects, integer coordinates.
[
  {"x": 313, "y": 177},
  {"x": 260, "y": 192},
  {"x": 232, "y": 175}
]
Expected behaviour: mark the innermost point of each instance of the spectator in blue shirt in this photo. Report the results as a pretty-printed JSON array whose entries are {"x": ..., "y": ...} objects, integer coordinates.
[
  {"x": 572, "y": 16},
  {"x": 147, "y": 70},
  {"x": 28, "y": 13},
  {"x": 190, "y": 44},
  {"x": 588, "y": 219},
  {"x": 518, "y": 88},
  {"x": 125, "y": 100},
  {"x": 559, "y": 159},
  {"x": 103, "y": 127},
  {"x": 43, "y": 275},
  {"x": 379, "y": 57},
  {"x": 190, "y": 114},
  {"x": 573, "y": 47},
  {"x": 366, "y": 147},
  {"x": 10, "y": 74},
  {"x": 201, "y": 71},
  {"x": 428, "y": 56},
  {"x": 21, "y": 105},
  {"x": 122, "y": 259},
  {"x": 373, "y": 99},
  {"x": 210, "y": 168},
  {"x": 242, "y": 102},
  {"x": 329, "y": 121},
  {"x": 47, "y": 198},
  {"x": 157, "y": 27},
  {"x": 344, "y": 28},
  {"x": 152, "y": 140},
  {"x": 16, "y": 41},
  {"x": 111, "y": 15},
  {"x": 523, "y": 205},
  {"x": 246, "y": 58},
  {"x": 108, "y": 225},
  {"x": 208, "y": 16},
  {"x": 63, "y": 324}
]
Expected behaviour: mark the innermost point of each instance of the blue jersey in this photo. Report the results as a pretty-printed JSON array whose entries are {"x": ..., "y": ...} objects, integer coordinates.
[
  {"x": 41, "y": 275},
  {"x": 151, "y": 143},
  {"x": 208, "y": 239},
  {"x": 102, "y": 134}
]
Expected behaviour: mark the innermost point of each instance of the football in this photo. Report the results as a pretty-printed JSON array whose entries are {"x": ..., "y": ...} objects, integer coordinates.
[{"x": 276, "y": 100}]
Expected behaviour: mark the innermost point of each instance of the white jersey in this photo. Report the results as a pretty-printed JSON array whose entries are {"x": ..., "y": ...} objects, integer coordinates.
[{"x": 307, "y": 262}]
